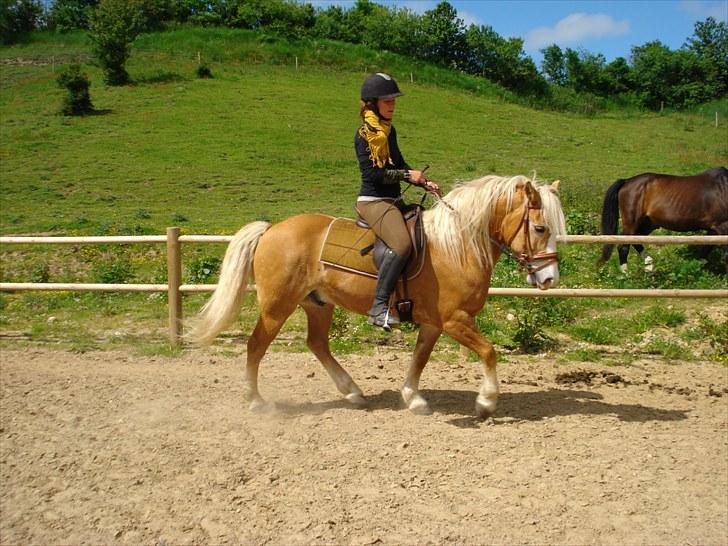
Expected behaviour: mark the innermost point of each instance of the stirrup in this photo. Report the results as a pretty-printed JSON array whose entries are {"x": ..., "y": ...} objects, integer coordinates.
[{"x": 383, "y": 320}]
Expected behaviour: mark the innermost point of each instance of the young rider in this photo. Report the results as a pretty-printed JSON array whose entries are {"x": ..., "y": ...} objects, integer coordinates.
[{"x": 382, "y": 170}]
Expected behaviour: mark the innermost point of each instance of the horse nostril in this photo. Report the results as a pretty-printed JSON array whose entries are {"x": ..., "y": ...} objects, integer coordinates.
[{"x": 546, "y": 283}]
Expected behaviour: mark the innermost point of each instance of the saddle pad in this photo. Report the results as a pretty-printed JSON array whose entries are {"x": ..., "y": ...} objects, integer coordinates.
[
  {"x": 343, "y": 242},
  {"x": 341, "y": 249}
]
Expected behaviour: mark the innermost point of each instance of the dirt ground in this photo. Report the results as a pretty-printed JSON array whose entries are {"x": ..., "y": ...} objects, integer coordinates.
[{"x": 111, "y": 448}]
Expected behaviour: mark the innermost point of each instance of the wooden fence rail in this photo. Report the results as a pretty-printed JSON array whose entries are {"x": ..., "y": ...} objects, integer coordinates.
[{"x": 175, "y": 289}]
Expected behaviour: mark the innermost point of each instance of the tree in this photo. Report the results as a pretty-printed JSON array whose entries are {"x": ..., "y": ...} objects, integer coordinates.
[
  {"x": 618, "y": 74},
  {"x": 587, "y": 72},
  {"x": 710, "y": 44},
  {"x": 18, "y": 18},
  {"x": 332, "y": 23},
  {"x": 113, "y": 26},
  {"x": 68, "y": 15},
  {"x": 444, "y": 36},
  {"x": 283, "y": 17},
  {"x": 662, "y": 77},
  {"x": 553, "y": 65},
  {"x": 502, "y": 61}
]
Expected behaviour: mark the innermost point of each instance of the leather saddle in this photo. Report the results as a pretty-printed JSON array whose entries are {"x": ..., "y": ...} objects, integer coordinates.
[{"x": 412, "y": 215}]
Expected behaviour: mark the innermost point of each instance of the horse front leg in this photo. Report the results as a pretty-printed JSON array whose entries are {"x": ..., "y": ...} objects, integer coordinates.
[
  {"x": 462, "y": 328},
  {"x": 426, "y": 340}
]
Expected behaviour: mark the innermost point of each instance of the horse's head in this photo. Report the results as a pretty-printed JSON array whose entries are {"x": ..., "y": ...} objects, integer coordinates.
[{"x": 530, "y": 230}]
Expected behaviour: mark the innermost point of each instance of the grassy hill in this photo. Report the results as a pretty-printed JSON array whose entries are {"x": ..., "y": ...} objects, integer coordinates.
[
  {"x": 271, "y": 135},
  {"x": 264, "y": 139}
]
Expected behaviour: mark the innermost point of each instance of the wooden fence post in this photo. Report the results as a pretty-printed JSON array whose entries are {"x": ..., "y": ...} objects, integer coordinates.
[{"x": 174, "y": 280}]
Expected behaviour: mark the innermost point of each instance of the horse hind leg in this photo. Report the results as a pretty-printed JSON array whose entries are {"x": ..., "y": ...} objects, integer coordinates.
[
  {"x": 646, "y": 258},
  {"x": 623, "y": 251},
  {"x": 266, "y": 329},
  {"x": 646, "y": 227},
  {"x": 319, "y": 323}
]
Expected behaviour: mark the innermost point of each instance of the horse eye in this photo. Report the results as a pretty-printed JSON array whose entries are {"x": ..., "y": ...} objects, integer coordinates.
[{"x": 539, "y": 229}]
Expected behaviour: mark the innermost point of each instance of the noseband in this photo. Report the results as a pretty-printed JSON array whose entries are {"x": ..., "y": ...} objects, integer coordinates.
[{"x": 527, "y": 259}]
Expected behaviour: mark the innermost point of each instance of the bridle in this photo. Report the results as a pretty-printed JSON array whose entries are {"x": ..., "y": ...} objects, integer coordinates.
[{"x": 527, "y": 260}]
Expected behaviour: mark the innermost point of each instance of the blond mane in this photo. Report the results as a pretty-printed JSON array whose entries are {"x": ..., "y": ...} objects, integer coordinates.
[{"x": 466, "y": 227}]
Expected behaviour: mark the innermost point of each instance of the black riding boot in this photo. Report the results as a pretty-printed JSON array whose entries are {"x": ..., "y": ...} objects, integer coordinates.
[{"x": 389, "y": 271}]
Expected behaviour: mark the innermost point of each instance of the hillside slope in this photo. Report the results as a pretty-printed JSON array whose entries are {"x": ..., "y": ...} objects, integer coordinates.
[{"x": 271, "y": 135}]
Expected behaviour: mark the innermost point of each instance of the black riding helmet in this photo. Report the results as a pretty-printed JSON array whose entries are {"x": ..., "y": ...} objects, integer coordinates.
[{"x": 380, "y": 86}]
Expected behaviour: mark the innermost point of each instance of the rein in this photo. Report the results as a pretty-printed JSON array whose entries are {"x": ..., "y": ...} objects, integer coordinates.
[{"x": 527, "y": 259}]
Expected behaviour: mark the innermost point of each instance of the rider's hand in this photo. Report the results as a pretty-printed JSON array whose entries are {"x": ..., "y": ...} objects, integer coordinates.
[
  {"x": 432, "y": 187},
  {"x": 416, "y": 177}
]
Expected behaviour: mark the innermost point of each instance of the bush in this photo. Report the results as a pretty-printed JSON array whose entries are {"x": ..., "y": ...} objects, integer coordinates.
[
  {"x": 202, "y": 270},
  {"x": 530, "y": 335},
  {"x": 114, "y": 271},
  {"x": 113, "y": 26},
  {"x": 78, "y": 100},
  {"x": 203, "y": 71}
]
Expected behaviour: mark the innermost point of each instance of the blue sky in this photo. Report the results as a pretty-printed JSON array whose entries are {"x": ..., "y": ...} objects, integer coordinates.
[{"x": 611, "y": 28}]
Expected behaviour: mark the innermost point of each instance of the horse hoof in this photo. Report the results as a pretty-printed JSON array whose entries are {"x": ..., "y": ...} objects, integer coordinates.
[
  {"x": 484, "y": 408},
  {"x": 420, "y": 407},
  {"x": 258, "y": 405},
  {"x": 356, "y": 399}
]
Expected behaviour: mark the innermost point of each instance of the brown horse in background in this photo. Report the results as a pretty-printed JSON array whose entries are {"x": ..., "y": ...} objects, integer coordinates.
[
  {"x": 679, "y": 203},
  {"x": 466, "y": 233}
]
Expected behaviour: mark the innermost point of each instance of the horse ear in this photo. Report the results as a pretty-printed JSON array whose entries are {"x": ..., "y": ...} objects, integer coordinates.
[
  {"x": 531, "y": 193},
  {"x": 554, "y": 187}
]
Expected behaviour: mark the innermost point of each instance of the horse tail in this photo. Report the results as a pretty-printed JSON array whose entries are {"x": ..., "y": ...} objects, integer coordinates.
[
  {"x": 610, "y": 216},
  {"x": 237, "y": 269}
]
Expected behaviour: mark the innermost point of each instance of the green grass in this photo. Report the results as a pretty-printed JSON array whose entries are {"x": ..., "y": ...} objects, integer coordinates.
[{"x": 266, "y": 140}]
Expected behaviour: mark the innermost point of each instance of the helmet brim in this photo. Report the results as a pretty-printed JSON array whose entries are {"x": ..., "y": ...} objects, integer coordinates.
[{"x": 389, "y": 97}]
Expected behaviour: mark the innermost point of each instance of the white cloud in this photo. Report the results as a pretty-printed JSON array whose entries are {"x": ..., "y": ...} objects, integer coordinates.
[
  {"x": 574, "y": 28},
  {"x": 704, "y": 9}
]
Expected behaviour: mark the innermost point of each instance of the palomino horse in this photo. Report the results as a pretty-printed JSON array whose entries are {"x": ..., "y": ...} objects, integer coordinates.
[
  {"x": 466, "y": 233},
  {"x": 679, "y": 203}
]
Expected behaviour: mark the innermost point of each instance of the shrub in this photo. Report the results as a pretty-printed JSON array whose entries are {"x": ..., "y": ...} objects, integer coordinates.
[
  {"x": 113, "y": 26},
  {"x": 202, "y": 269},
  {"x": 114, "y": 271},
  {"x": 41, "y": 273},
  {"x": 77, "y": 101},
  {"x": 203, "y": 71},
  {"x": 530, "y": 335}
]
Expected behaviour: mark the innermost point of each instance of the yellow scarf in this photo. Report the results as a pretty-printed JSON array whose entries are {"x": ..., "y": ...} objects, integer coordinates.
[{"x": 376, "y": 132}]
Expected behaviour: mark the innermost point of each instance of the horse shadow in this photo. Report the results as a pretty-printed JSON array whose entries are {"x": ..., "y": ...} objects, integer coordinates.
[{"x": 458, "y": 406}]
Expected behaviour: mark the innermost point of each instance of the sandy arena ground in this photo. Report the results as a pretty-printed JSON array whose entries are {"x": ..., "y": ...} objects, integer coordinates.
[{"x": 110, "y": 448}]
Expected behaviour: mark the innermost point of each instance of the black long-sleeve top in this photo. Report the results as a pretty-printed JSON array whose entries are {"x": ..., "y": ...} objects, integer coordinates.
[{"x": 376, "y": 181}]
